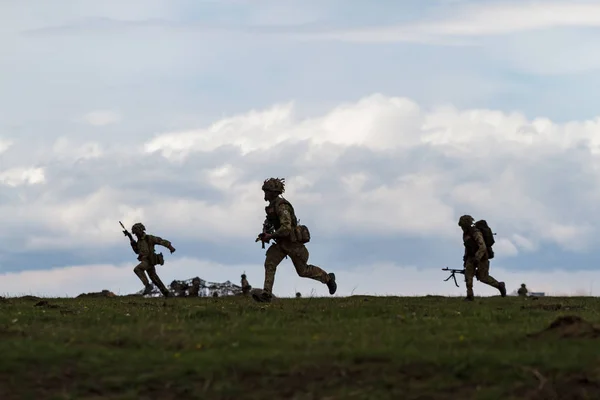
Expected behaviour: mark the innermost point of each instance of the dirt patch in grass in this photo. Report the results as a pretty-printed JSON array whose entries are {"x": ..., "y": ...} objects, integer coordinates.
[{"x": 569, "y": 326}]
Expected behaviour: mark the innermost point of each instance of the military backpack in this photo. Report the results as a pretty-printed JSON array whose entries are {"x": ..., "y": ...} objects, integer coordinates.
[{"x": 488, "y": 236}]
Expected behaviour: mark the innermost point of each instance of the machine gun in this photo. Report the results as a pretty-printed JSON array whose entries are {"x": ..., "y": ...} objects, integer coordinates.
[
  {"x": 267, "y": 228},
  {"x": 452, "y": 272}
]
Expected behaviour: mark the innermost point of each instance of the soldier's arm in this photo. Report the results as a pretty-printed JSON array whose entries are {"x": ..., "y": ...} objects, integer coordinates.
[
  {"x": 134, "y": 246},
  {"x": 160, "y": 241},
  {"x": 481, "y": 247},
  {"x": 285, "y": 219}
]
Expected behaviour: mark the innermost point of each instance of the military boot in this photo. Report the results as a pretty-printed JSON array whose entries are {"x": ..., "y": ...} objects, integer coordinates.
[
  {"x": 470, "y": 296},
  {"x": 147, "y": 289},
  {"x": 262, "y": 297},
  {"x": 502, "y": 289},
  {"x": 331, "y": 285}
]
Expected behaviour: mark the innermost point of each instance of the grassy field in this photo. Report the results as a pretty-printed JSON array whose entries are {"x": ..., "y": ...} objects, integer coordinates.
[{"x": 334, "y": 348}]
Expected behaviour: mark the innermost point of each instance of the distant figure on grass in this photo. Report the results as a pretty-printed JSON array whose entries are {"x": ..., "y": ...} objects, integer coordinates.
[
  {"x": 245, "y": 286},
  {"x": 144, "y": 248},
  {"x": 477, "y": 257},
  {"x": 522, "y": 290},
  {"x": 282, "y": 225},
  {"x": 195, "y": 289}
]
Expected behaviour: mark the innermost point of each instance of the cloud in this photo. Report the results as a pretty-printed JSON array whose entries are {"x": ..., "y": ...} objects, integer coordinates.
[
  {"x": 476, "y": 145},
  {"x": 477, "y": 20},
  {"x": 383, "y": 280},
  {"x": 65, "y": 149},
  {"x": 22, "y": 176},
  {"x": 102, "y": 117},
  {"x": 380, "y": 182}
]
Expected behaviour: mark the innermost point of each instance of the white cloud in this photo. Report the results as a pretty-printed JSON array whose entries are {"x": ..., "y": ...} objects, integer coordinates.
[
  {"x": 102, "y": 117},
  {"x": 505, "y": 247},
  {"x": 502, "y": 18},
  {"x": 5, "y": 145},
  {"x": 478, "y": 142},
  {"x": 378, "y": 279},
  {"x": 381, "y": 167},
  {"x": 66, "y": 149},
  {"x": 22, "y": 176},
  {"x": 250, "y": 131},
  {"x": 474, "y": 21}
]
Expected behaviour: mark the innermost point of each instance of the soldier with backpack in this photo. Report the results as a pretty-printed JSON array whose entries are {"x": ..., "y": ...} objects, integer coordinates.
[{"x": 478, "y": 240}]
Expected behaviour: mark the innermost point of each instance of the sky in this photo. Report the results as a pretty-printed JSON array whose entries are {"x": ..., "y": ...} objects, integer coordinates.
[{"x": 389, "y": 120}]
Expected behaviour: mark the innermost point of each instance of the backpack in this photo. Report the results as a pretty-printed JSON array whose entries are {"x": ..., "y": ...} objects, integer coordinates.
[{"x": 488, "y": 236}]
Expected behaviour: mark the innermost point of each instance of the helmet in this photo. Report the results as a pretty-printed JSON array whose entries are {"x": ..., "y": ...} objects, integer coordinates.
[
  {"x": 138, "y": 226},
  {"x": 274, "y": 185},
  {"x": 466, "y": 220}
]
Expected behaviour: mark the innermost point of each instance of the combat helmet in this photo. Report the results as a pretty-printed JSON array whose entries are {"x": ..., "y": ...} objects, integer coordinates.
[
  {"x": 138, "y": 226},
  {"x": 466, "y": 220},
  {"x": 274, "y": 185}
]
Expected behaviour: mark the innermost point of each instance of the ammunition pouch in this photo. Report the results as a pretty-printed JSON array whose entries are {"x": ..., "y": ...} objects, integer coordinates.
[
  {"x": 156, "y": 259},
  {"x": 300, "y": 234}
]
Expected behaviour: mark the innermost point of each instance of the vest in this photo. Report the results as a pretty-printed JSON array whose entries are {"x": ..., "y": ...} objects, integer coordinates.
[{"x": 271, "y": 211}]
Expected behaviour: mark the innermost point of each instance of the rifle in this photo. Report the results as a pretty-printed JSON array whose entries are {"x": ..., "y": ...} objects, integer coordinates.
[
  {"x": 267, "y": 228},
  {"x": 131, "y": 239},
  {"x": 452, "y": 272}
]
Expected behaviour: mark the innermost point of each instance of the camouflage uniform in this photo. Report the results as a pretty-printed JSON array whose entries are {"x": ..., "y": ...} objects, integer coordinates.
[
  {"x": 522, "y": 290},
  {"x": 280, "y": 215},
  {"x": 475, "y": 259},
  {"x": 245, "y": 285},
  {"x": 144, "y": 248}
]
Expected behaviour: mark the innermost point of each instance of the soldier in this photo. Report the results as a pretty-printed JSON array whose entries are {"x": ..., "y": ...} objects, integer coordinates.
[
  {"x": 245, "y": 285},
  {"x": 522, "y": 290},
  {"x": 476, "y": 258},
  {"x": 281, "y": 217},
  {"x": 195, "y": 289},
  {"x": 144, "y": 248}
]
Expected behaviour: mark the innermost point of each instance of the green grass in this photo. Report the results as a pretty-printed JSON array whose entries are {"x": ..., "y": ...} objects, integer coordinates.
[{"x": 332, "y": 348}]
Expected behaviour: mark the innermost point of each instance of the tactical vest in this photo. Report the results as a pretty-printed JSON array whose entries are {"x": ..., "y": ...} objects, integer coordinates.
[
  {"x": 271, "y": 211},
  {"x": 470, "y": 244}
]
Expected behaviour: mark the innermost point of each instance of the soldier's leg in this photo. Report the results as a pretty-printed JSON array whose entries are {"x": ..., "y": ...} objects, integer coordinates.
[
  {"x": 156, "y": 280},
  {"x": 140, "y": 271},
  {"x": 299, "y": 256},
  {"x": 469, "y": 274},
  {"x": 483, "y": 275},
  {"x": 274, "y": 256}
]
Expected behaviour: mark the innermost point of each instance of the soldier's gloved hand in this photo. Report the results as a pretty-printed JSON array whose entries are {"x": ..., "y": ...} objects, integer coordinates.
[
  {"x": 266, "y": 237},
  {"x": 172, "y": 249}
]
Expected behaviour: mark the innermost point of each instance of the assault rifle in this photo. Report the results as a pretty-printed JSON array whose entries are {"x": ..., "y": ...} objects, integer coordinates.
[
  {"x": 452, "y": 272},
  {"x": 126, "y": 232},
  {"x": 131, "y": 239},
  {"x": 267, "y": 228}
]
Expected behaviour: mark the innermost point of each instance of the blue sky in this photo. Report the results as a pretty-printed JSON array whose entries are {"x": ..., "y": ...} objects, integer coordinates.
[{"x": 388, "y": 120}]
